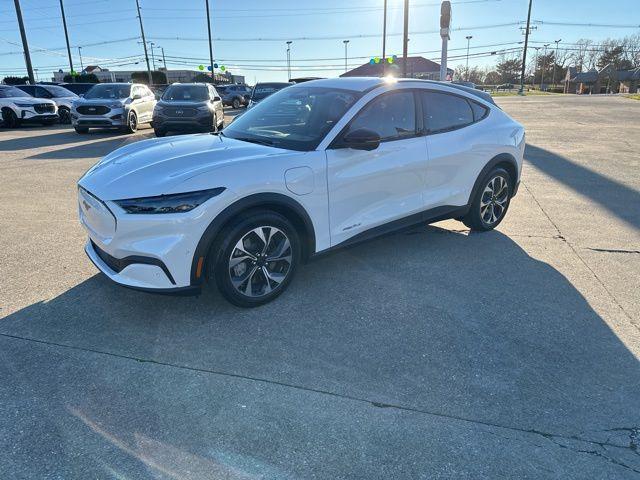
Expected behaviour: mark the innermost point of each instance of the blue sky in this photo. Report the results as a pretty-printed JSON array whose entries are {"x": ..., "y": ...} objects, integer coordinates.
[{"x": 251, "y": 34}]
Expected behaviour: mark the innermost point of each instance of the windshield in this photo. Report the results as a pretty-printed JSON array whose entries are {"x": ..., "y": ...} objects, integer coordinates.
[
  {"x": 11, "y": 92},
  {"x": 57, "y": 91},
  {"x": 187, "y": 93},
  {"x": 296, "y": 118},
  {"x": 110, "y": 91},
  {"x": 263, "y": 90}
]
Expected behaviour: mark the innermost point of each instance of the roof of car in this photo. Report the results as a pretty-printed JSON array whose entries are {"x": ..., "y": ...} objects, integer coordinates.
[{"x": 362, "y": 84}]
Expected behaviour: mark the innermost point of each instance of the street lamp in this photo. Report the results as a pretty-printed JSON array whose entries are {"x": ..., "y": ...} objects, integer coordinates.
[
  {"x": 289, "y": 42},
  {"x": 555, "y": 62},
  {"x": 535, "y": 65},
  {"x": 468, "y": 37},
  {"x": 346, "y": 42},
  {"x": 544, "y": 64},
  {"x": 80, "y": 53}
]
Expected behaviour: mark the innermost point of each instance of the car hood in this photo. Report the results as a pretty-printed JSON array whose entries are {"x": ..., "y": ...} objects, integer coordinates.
[
  {"x": 159, "y": 166},
  {"x": 29, "y": 100}
]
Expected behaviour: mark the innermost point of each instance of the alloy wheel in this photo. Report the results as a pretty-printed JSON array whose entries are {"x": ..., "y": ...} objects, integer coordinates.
[
  {"x": 260, "y": 261},
  {"x": 133, "y": 122},
  {"x": 494, "y": 200}
]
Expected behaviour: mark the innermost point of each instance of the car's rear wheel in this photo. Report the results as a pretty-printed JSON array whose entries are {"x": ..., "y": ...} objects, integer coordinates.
[
  {"x": 236, "y": 103},
  {"x": 9, "y": 118},
  {"x": 491, "y": 202},
  {"x": 255, "y": 258}
]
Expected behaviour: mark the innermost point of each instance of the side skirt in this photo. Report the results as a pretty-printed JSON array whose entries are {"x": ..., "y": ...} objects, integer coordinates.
[{"x": 428, "y": 216}]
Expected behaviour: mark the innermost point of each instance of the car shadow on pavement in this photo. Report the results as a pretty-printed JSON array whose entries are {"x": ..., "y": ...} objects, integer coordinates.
[
  {"x": 620, "y": 200},
  {"x": 57, "y": 137},
  {"x": 465, "y": 326},
  {"x": 98, "y": 148}
]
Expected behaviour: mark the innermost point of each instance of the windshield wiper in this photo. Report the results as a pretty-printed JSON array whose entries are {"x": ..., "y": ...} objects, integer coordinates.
[{"x": 259, "y": 141}]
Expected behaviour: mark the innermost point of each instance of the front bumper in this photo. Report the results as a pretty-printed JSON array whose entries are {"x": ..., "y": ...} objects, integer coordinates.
[
  {"x": 29, "y": 116},
  {"x": 147, "y": 252},
  {"x": 115, "y": 118},
  {"x": 204, "y": 121}
]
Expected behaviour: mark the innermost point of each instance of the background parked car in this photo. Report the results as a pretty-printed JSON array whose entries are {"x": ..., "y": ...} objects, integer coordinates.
[
  {"x": 18, "y": 107},
  {"x": 188, "y": 107},
  {"x": 78, "y": 88},
  {"x": 235, "y": 96},
  {"x": 60, "y": 95},
  {"x": 113, "y": 105},
  {"x": 263, "y": 90}
]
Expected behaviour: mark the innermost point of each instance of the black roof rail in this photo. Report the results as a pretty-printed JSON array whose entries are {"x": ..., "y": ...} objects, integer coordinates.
[{"x": 472, "y": 91}]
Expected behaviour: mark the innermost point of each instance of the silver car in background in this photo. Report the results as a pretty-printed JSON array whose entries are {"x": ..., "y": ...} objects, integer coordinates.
[
  {"x": 113, "y": 105},
  {"x": 62, "y": 97}
]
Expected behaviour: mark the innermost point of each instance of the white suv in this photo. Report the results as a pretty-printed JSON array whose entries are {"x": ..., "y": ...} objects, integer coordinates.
[
  {"x": 313, "y": 167},
  {"x": 18, "y": 107}
]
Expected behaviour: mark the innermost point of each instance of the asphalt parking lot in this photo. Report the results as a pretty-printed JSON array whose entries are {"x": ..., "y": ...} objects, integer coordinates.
[{"x": 432, "y": 353}]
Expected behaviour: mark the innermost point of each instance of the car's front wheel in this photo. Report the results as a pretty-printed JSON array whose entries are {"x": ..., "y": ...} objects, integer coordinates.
[
  {"x": 9, "y": 118},
  {"x": 132, "y": 123},
  {"x": 236, "y": 103},
  {"x": 491, "y": 201},
  {"x": 255, "y": 258}
]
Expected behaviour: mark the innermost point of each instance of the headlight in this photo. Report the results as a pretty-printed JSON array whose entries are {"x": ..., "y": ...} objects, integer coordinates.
[
  {"x": 177, "y": 203},
  {"x": 24, "y": 105},
  {"x": 115, "y": 105}
]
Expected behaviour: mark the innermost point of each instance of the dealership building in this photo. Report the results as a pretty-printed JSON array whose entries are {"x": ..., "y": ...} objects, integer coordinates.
[{"x": 106, "y": 75}]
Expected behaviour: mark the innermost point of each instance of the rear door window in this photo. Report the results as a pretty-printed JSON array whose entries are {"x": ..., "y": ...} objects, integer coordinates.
[{"x": 444, "y": 112}]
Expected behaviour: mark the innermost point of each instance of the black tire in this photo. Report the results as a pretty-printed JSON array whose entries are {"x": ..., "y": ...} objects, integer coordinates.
[
  {"x": 242, "y": 229},
  {"x": 132, "y": 123},
  {"x": 81, "y": 130},
  {"x": 10, "y": 119},
  {"x": 491, "y": 202},
  {"x": 221, "y": 125},
  {"x": 236, "y": 103},
  {"x": 159, "y": 132},
  {"x": 64, "y": 116}
]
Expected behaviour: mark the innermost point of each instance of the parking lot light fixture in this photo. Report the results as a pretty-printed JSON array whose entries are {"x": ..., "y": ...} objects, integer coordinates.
[
  {"x": 555, "y": 62},
  {"x": 346, "y": 42},
  {"x": 289, "y": 42}
]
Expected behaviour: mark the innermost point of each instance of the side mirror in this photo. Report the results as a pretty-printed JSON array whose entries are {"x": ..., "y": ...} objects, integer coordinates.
[
  {"x": 361, "y": 139},
  {"x": 217, "y": 99}
]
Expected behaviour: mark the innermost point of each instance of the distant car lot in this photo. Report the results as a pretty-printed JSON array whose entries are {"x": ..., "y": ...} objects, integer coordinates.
[{"x": 428, "y": 354}]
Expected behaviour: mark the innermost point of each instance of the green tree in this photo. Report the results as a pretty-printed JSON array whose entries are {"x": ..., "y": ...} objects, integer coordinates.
[
  {"x": 509, "y": 70},
  {"x": 158, "y": 78},
  {"x": 82, "y": 78},
  {"x": 15, "y": 80},
  {"x": 614, "y": 56},
  {"x": 203, "y": 77}
]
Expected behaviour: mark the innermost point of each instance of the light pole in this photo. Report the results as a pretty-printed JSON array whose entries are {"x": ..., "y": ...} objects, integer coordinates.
[
  {"x": 289, "y": 42},
  {"x": 66, "y": 36},
  {"x": 468, "y": 37},
  {"x": 346, "y": 42},
  {"x": 25, "y": 44},
  {"x": 144, "y": 43},
  {"x": 405, "y": 38},
  {"x": 80, "y": 54},
  {"x": 544, "y": 64},
  {"x": 164, "y": 62},
  {"x": 384, "y": 38},
  {"x": 213, "y": 73},
  {"x": 555, "y": 62}
]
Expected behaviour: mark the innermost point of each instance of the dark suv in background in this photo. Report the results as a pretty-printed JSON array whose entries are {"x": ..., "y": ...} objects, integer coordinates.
[
  {"x": 191, "y": 107},
  {"x": 235, "y": 96}
]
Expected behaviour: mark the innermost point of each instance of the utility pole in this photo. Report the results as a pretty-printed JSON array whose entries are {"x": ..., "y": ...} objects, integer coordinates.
[
  {"x": 555, "y": 62},
  {"x": 524, "y": 51},
  {"x": 346, "y": 42},
  {"x": 213, "y": 73},
  {"x": 468, "y": 37},
  {"x": 445, "y": 23},
  {"x": 80, "y": 55},
  {"x": 289, "y": 42},
  {"x": 384, "y": 39},
  {"x": 66, "y": 36},
  {"x": 144, "y": 44},
  {"x": 25, "y": 44},
  {"x": 544, "y": 64},
  {"x": 405, "y": 39}
]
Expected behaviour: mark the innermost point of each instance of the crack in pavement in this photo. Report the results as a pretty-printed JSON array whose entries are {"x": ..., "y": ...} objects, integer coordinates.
[
  {"x": 612, "y": 250},
  {"x": 556, "y": 438},
  {"x": 575, "y": 251}
]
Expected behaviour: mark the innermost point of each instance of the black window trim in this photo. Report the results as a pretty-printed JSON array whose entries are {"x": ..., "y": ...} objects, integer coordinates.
[
  {"x": 453, "y": 129},
  {"x": 336, "y": 143}
]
